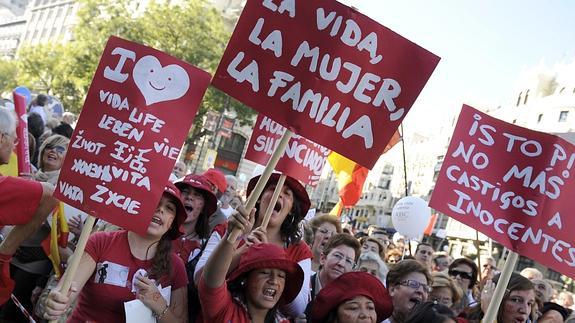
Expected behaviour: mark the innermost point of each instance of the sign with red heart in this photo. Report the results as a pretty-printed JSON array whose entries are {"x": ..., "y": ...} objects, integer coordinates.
[{"x": 136, "y": 116}]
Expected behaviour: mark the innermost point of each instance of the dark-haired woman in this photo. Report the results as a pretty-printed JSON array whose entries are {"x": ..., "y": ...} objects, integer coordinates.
[
  {"x": 354, "y": 297},
  {"x": 105, "y": 278},
  {"x": 264, "y": 279},
  {"x": 283, "y": 231},
  {"x": 200, "y": 203}
]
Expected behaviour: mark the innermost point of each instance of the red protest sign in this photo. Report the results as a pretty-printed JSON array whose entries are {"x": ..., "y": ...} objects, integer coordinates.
[
  {"x": 513, "y": 184},
  {"x": 136, "y": 116},
  {"x": 302, "y": 159},
  {"x": 326, "y": 72}
]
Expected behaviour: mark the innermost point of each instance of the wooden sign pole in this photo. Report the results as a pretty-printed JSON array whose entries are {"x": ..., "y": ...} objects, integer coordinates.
[
  {"x": 262, "y": 181},
  {"x": 273, "y": 201},
  {"x": 73, "y": 267},
  {"x": 491, "y": 314}
]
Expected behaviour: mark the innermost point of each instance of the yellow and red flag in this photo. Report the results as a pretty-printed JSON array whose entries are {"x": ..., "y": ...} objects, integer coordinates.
[
  {"x": 351, "y": 176},
  {"x": 58, "y": 238}
]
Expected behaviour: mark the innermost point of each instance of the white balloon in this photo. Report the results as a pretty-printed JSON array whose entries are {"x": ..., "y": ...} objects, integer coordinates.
[{"x": 410, "y": 216}]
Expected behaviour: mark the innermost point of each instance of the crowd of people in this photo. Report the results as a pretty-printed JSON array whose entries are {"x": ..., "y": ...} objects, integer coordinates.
[{"x": 188, "y": 268}]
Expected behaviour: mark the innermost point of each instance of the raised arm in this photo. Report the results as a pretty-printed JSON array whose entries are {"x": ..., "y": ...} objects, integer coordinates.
[{"x": 216, "y": 268}]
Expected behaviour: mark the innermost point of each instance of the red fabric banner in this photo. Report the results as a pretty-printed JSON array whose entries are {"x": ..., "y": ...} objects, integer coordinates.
[
  {"x": 513, "y": 184},
  {"x": 137, "y": 113},
  {"x": 326, "y": 72}
]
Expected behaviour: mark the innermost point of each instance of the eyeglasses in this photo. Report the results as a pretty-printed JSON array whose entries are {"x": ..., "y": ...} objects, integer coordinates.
[
  {"x": 16, "y": 139},
  {"x": 415, "y": 285},
  {"x": 58, "y": 149},
  {"x": 461, "y": 274},
  {"x": 340, "y": 257}
]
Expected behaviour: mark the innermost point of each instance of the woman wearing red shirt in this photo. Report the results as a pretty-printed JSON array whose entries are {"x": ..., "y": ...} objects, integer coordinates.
[{"x": 105, "y": 278}]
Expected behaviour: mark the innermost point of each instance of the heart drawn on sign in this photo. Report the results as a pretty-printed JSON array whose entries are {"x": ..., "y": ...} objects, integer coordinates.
[{"x": 159, "y": 84}]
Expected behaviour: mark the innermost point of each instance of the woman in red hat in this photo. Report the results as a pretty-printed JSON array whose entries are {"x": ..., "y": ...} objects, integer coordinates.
[
  {"x": 352, "y": 297},
  {"x": 200, "y": 203},
  {"x": 282, "y": 231},
  {"x": 263, "y": 279},
  {"x": 106, "y": 277}
]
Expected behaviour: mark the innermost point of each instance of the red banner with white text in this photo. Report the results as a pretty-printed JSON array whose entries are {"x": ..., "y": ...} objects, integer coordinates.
[
  {"x": 326, "y": 72},
  {"x": 513, "y": 184}
]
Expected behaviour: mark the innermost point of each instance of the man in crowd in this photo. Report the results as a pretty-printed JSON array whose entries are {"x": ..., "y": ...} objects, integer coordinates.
[
  {"x": 228, "y": 196},
  {"x": 424, "y": 254},
  {"x": 440, "y": 261},
  {"x": 180, "y": 170},
  {"x": 531, "y": 273},
  {"x": 23, "y": 203},
  {"x": 379, "y": 234}
]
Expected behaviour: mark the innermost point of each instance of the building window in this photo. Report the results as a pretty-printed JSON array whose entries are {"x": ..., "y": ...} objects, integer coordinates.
[
  {"x": 519, "y": 99},
  {"x": 563, "y": 116},
  {"x": 526, "y": 97},
  {"x": 539, "y": 118}
]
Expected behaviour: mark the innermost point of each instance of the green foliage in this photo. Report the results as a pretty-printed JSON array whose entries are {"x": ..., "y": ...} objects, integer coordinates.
[
  {"x": 8, "y": 72},
  {"x": 192, "y": 31}
]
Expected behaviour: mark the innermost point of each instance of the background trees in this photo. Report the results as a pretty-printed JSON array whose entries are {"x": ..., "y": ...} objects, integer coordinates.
[{"x": 192, "y": 31}]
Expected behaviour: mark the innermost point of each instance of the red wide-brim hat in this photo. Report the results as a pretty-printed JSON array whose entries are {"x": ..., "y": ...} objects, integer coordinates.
[
  {"x": 199, "y": 182},
  {"x": 297, "y": 188},
  {"x": 266, "y": 255},
  {"x": 345, "y": 288}
]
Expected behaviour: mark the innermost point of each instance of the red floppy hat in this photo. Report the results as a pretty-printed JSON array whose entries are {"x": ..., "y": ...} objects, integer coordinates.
[
  {"x": 181, "y": 215},
  {"x": 199, "y": 182},
  {"x": 266, "y": 255},
  {"x": 299, "y": 191},
  {"x": 348, "y": 286}
]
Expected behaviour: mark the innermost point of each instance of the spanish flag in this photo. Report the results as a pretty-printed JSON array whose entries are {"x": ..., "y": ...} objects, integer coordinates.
[
  {"x": 351, "y": 176},
  {"x": 58, "y": 238}
]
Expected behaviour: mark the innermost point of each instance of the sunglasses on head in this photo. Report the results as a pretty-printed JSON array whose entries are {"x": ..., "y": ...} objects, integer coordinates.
[{"x": 461, "y": 274}]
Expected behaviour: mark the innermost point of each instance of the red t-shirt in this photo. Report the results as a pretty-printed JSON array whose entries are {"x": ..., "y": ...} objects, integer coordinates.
[
  {"x": 19, "y": 199},
  {"x": 183, "y": 247},
  {"x": 102, "y": 298}
]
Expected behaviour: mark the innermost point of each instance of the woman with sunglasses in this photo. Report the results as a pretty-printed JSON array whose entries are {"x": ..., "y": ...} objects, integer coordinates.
[
  {"x": 408, "y": 283},
  {"x": 30, "y": 266},
  {"x": 121, "y": 266},
  {"x": 464, "y": 271}
]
